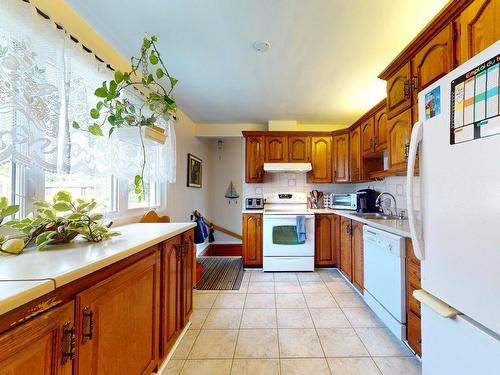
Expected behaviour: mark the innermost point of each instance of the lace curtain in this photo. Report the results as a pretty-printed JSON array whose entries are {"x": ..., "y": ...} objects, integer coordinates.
[{"x": 46, "y": 82}]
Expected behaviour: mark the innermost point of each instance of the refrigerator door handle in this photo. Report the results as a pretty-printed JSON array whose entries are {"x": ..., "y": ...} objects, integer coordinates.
[
  {"x": 416, "y": 237},
  {"x": 434, "y": 303}
]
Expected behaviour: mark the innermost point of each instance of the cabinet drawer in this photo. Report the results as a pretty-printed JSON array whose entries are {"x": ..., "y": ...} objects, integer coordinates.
[
  {"x": 413, "y": 304},
  {"x": 414, "y": 333}
]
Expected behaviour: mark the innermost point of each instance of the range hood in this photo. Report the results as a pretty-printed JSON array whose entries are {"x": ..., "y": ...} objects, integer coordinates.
[{"x": 287, "y": 167}]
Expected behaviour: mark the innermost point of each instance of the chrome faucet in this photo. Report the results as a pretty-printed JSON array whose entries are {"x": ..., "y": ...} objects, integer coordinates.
[{"x": 377, "y": 203}]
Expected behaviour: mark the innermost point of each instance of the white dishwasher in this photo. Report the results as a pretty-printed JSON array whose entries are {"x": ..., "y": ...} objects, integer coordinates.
[{"x": 385, "y": 277}]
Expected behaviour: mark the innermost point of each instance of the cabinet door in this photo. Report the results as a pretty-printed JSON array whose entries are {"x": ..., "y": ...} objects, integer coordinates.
[
  {"x": 254, "y": 159},
  {"x": 188, "y": 263},
  {"x": 170, "y": 316},
  {"x": 321, "y": 159},
  {"x": 118, "y": 320},
  {"x": 398, "y": 91},
  {"x": 355, "y": 154},
  {"x": 367, "y": 141},
  {"x": 299, "y": 149},
  {"x": 479, "y": 27},
  {"x": 37, "y": 346},
  {"x": 413, "y": 273},
  {"x": 357, "y": 255},
  {"x": 324, "y": 240},
  {"x": 276, "y": 149},
  {"x": 433, "y": 61},
  {"x": 345, "y": 247},
  {"x": 399, "y": 137},
  {"x": 380, "y": 130},
  {"x": 341, "y": 158},
  {"x": 252, "y": 239}
]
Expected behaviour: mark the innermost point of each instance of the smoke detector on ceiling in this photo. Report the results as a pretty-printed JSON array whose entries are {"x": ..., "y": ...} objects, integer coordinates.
[{"x": 261, "y": 46}]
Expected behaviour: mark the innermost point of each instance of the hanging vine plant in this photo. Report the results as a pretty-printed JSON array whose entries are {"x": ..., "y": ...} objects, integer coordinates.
[{"x": 150, "y": 76}]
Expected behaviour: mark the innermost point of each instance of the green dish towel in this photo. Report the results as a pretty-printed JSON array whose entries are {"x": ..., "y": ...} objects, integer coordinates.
[{"x": 286, "y": 235}]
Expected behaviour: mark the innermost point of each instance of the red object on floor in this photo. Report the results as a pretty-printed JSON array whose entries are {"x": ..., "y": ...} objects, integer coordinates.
[{"x": 199, "y": 269}]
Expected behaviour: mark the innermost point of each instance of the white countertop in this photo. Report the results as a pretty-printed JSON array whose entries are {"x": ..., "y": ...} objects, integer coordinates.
[
  {"x": 34, "y": 273},
  {"x": 250, "y": 211}
]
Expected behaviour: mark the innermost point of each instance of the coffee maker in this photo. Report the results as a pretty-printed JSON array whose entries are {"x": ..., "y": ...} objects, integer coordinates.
[{"x": 366, "y": 200}]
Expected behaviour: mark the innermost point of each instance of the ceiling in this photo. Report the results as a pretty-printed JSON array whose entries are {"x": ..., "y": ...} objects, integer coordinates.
[{"x": 322, "y": 66}]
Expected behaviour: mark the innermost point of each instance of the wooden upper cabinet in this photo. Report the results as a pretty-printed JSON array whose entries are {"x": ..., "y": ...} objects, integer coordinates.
[
  {"x": 254, "y": 159},
  {"x": 357, "y": 255},
  {"x": 118, "y": 321},
  {"x": 341, "y": 158},
  {"x": 299, "y": 149},
  {"x": 355, "y": 154},
  {"x": 433, "y": 61},
  {"x": 398, "y": 91},
  {"x": 321, "y": 159},
  {"x": 479, "y": 27},
  {"x": 38, "y": 346},
  {"x": 325, "y": 240},
  {"x": 380, "y": 130},
  {"x": 276, "y": 150},
  {"x": 252, "y": 240},
  {"x": 345, "y": 247},
  {"x": 398, "y": 131},
  {"x": 367, "y": 136}
]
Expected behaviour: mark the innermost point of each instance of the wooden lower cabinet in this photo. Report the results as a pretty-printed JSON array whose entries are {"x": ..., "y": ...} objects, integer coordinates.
[
  {"x": 345, "y": 247},
  {"x": 118, "y": 321},
  {"x": 41, "y": 345},
  {"x": 413, "y": 317},
  {"x": 327, "y": 240},
  {"x": 357, "y": 255},
  {"x": 188, "y": 270},
  {"x": 252, "y": 240}
]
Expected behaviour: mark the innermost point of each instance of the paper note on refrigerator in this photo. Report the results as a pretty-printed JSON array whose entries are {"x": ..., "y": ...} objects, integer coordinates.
[{"x": 475, "y": 103}]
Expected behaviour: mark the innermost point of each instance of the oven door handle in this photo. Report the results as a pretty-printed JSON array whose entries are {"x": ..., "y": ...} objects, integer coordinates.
[{"x": 287, "y": 216}]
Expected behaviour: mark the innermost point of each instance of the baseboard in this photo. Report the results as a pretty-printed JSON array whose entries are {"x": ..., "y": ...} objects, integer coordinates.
[
  {"x": 223, "y": 249},
  {"x": 164, "y": 364}
]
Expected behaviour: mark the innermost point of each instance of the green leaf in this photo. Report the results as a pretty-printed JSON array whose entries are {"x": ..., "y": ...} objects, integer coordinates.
[
  {"x": 99, "y": 105},
  {"x": 41, "y": 203},
  {"x": 118, "y": 76},
  {"x": 94, "y": 113},
  {"x": 173, "y": 81},
  {"x": 154, "y": 38},
  {"x": 146, "y": 43},
  {"x": 9, "y": 210},
  {"x": 62, "y": 195},
  {"x": 111, "y": 132},
  {"x": 75, "y": 125},
  {"x": 153, "y": 59},
  {"x": 92, "y": 205},
  {"x": 102, "y": 92},
  {"x": 62, "y": 206},
  {"x": 112, "y": 87},
  {"x": 96, "y": 217},
  {"x": 112, "y": 119},
  {"x": 126, "y": 76},
  {"x": 159, "y": 73},
  {"x": 4, "y": 202},
  {"x": 95, "y": 129}
]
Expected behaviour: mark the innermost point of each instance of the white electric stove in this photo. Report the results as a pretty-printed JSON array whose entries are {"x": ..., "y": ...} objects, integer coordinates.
[{"x": 283, "y": 251}]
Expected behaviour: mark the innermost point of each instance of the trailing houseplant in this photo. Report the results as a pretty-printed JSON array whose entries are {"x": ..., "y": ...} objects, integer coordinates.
[
  {"x": 150, "y": 76},
  {"x": 7, "y": 244},
  {"x": 60, "y": 221}
]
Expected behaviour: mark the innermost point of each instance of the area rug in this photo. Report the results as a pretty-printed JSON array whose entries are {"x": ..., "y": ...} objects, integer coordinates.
[{"x": 220, "y": 273}]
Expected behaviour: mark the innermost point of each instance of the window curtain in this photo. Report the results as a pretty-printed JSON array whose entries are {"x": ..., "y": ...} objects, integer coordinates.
[{"x": 46, "y": 82}]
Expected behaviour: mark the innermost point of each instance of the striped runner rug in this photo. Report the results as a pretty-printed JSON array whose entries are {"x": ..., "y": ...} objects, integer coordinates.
[{"x": 220, "y": 273}]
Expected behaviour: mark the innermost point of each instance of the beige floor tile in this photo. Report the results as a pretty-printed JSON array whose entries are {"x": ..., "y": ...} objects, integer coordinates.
[
  {"x": 320, "y": 300},
  {"x": 207, "y": 367},
  {"x": 285, "y": 276},
  {"x": 255, "y": 367},
  {"x": 223, "y": 319},
  {"x": 260, "y": 301},
  {"x": 329, "y": 318},
  {"x": 328, "y": 275},
  {"x": 362, "y": 317},
  {"x": 351, "y": 299},
  {"x": 313, "y": 287},
  {"x": 229, "y": 301},
  {"x": 338, "y": 286},
  {"x": 261, "y": 276},
  {"x": 203, "y": 300},
  {"x": 198, "y": 317},
  {"x": 214, "y": 344},
  {"x": 294, "y": 318},
  {"x": 205, "y": 291},
  {"x": 259, "y": 318},
  {"x": 399, "y": 365},
  {"x": 257, "y": 343},
  {"x": 381, "y": 342},
  {"x": 187, "y": 342},
  {"x": 290, "y": 301},
  {"x": 308, "y": 276},
  {"x": 353, "y": 366},
  {"x": 261, "y": 287},
  {"x": 305, "y": 366},
  {"x": 287, "y": 287},
  {"x": 341, "y": 342},
  {"x": 242, "y": 290},
  {"x": 174, "y": 367},
  {"x": 299, "y": 343}
]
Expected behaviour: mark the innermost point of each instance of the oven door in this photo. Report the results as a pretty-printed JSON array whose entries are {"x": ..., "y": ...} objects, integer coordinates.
[{"x": 279, "y": 240}]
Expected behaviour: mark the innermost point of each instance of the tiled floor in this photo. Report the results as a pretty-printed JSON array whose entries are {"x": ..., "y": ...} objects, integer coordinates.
[{"x": 288, "y": 324}]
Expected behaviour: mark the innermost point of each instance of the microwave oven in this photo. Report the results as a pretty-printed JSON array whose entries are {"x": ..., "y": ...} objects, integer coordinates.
[{"x": 348, "y": 201}]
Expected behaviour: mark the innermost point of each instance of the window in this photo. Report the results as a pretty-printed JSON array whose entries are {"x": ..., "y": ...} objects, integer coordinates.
[{"x": 151, "y": 197}]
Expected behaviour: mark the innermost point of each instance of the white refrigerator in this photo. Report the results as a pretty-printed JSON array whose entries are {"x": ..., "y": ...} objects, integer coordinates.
[{"x": 455, "y": 220}]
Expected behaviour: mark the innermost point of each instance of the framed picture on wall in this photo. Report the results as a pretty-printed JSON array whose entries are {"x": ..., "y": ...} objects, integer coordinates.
[{"x": 194, "y": 169}]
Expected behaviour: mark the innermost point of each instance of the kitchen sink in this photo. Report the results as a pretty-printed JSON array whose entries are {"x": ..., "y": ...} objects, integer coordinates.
[{"x": 376, "y": 216}]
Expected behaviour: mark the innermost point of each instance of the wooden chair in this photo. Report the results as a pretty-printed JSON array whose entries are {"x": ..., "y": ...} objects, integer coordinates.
[{"x": 152, "y": 217}]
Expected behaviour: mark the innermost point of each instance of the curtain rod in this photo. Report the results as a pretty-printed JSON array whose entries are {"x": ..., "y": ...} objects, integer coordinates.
[{"x": 60, "y": 27}]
